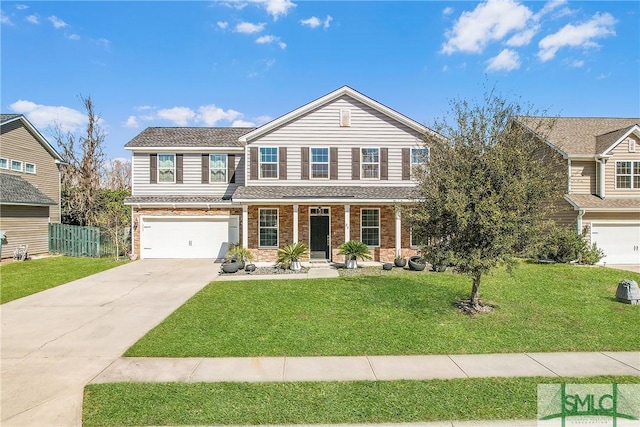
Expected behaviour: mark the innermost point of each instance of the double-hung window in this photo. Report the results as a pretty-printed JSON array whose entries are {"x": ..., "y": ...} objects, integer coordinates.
[
  {"x": 370, "y": 226},
  {"x": 628, "y": 174},
  {"x": 166, "y": 168},
  {"x": 268, "y": 228},
  {"x": 419, "y": 157},
  {"x": 16, "y": 165},
  {"x": 30, "y": 168},
  {"x": 319, "y": 163},
  {"x": 4, "y": 163},
  {"x": 370, "y": 163},
  {"x": 217, "y": 168},
  {"x": 268, "y": 162}
]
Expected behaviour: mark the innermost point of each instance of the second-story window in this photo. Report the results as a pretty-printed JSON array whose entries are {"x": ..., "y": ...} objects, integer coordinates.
[
  {"x": 4, "y": 163},
  {"x": 16, "y": 165},
  {"x": 627, "y": 174},
  {"x": 319, "y": 163},
  {"x": 218, "y": 168},
  {"x": 166, "y": 168},
  {"x": 370, "y": 163},
  {"x": 268, "y": 162},
  {"x": 30, "y": 168}
]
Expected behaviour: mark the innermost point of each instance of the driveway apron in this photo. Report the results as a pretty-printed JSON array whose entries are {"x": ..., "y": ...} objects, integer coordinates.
[{"x": 56, "y": 341}]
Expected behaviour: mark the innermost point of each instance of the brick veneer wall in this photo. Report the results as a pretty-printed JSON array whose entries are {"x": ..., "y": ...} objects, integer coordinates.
[
  {"x": 180, "y": 212},
  {"x": 285, "y": 231}
]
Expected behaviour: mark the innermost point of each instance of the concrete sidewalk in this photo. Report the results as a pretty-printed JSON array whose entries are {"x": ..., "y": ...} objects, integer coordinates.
[{"x": 369, "y": 368}]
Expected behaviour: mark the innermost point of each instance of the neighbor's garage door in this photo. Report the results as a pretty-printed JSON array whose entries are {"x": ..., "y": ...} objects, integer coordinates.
[
  {"x": 620, "y": 242},
  {"x": 179, "y": 237}
]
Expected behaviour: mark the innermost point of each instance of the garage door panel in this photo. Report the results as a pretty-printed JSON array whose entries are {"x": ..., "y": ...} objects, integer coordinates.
[{"x": 620, "y": 242}]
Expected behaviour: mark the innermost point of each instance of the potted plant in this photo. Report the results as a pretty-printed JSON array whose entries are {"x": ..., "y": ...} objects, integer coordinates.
[
  {"x": 353, "y": 250},
  {"x": 230, "y": 266},
  {"x": 290, "y": 254},
  {"x": 399, "y": 261},
  {"x": 417, "y": 263},
  {"x": 239, "y": 253}
]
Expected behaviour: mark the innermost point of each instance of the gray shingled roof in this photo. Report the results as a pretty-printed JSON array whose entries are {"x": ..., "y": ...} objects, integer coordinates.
[
  {"x": 323, "y": 192},
  {"x": 7, "y": 117},
  {"x": 589, "y": 201},
  {"x": 174, "y": 199},
  {"x": 189, "y": 137},
  {"x": 585, "y": 135},
  {"x": 17, "y": 191}
]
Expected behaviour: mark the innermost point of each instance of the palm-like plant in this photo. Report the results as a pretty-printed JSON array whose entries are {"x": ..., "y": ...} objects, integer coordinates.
[
  {"x": 290, "y": 254},
  {"x": 353, "y": 250},
  {"x": 237, "y": 252}
]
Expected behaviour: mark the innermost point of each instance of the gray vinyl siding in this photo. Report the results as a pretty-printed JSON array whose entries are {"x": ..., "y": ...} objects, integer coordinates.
[
  {"x": 321, "y": 128},
  {"x": 583, "y": 177},
  {"x": 25, "y": 225},
  {"x": 17, "y": 143},
  {"x": 620, "y": 152},
  {"x": 192, "y": 178}
]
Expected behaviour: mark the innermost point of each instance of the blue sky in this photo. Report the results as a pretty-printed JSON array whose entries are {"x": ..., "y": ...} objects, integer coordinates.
[{"x": 243, "y": 63}]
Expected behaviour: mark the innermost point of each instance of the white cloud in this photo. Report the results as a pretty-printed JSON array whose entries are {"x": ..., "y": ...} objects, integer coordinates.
[
  {"x": 327, "y": 22},
  {"x": 4, "y": 18},
  {"x": 523, "y": 38},
  {"x": 263, "y": 119},
  {"x": 210, "y": 115},
  {"x": 236, "y": 4},
  {"x": 33, "y": 19},
  {"x": 249, "y": 28},
  {"x": 582, "y": 35},
  {"x": 57, "y": 22},
  {"x": 222, "y": 24},
  {"x": 73, "y": 37},
  {"x": 507, "y": 60},
  {"x": 576, "y": 63},
  {"x": 144, "y": 107},
  {"x": 132, "y": 122},
  {"x": 268, "y": 39},
  {"x": 22, "y": 6},
  {"x": 242, "y": 124},
  {"x": 489, "y": 21},
  {"x": 312, "y": 22},
  {"x": 550, "y": 6},
  {"x": 447, "y": 11},
  {"x": 47, "y": 116},
  {"x": 177, "y": 115},
  {"x": 276, "y": 8}
]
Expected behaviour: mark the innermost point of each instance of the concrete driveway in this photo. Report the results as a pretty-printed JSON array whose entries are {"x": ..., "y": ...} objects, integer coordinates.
[{"x": 56, "y": 341}]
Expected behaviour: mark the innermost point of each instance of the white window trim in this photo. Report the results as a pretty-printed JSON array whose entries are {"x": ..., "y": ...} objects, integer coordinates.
[
  {"x": 362, "y": 163},
  {"x": 634, "y": 178},
  {"x": 226, "y": 169},
  {"x": 16, "y": 170},
  {"x": 174, "y": 168},
  {"x": 311, "y": 163},
  {"x": 34, "y": 168},
  {"x": 362, "y": 227},
  {"x": 260, "y": 163},
  {"x": 413, "y": 165},
  {"x": 6, "y": 163},
  {"x": 277, "y": 227},
  {"x": 411, "y": 242}
]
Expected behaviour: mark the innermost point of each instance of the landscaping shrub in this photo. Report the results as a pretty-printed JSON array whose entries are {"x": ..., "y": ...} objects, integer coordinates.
[
  {"x": 562, "y": 244},
  {"x": 591, "y": 255}
]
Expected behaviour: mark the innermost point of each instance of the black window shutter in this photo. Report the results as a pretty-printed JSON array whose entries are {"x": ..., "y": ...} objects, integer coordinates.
[
  {"x": 231, "y": 168},
  {"x": 253, "y": 168},
  {"x": 205, "y": 169},
  {"x": 305, "y": 163},
  {"x": 153, "y": 168},
  {"x": 406, "y": 164},
  {"x": 282, "y": 162},
  {"x": 333, "y": 163},
  {"x": 355, "y": 163},
  {"x": 179, "y": 169},
  {"x": 384, "y": 163}
]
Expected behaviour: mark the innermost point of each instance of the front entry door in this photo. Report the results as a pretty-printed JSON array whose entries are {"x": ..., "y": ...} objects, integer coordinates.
[{"x": 319, "y": 237}]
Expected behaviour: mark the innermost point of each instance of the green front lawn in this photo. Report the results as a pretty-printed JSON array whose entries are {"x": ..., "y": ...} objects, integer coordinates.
[
  {"x": 19, "y": 279},
  {"x": 318, "y": 402},
  {"x": 540, "y": 308}
]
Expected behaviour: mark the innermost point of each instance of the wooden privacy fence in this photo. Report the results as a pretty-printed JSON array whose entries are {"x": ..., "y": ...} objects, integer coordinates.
[{"x": 74, "y": 240}]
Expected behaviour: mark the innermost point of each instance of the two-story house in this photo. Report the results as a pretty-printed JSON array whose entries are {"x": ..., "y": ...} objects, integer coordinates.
[
  {"x": 602, "y": 157},
  {"x": 30, "y": 185},
  {"x": 333, "y": 170}
]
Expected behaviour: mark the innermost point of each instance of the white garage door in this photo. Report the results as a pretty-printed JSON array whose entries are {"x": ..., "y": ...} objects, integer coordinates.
[
  {"x": 180, "y": 237},
  {"x": 620, "y": 242}
]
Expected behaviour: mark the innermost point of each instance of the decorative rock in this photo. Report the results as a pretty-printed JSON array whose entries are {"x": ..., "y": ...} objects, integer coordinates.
[
  {"x": 250, "y": 268},
  {"x": 387, "y": 266},
  {"x": 628, "y": 292}
]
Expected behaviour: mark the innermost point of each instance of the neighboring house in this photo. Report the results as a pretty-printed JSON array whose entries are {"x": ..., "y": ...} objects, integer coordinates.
[
  {"x": 29, "y": 185},
  {"x": 333, "y": 170},
  {"x": 602, "y": 156}
]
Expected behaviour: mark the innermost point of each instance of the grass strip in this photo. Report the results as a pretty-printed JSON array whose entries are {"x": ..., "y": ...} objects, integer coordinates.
[
  {"x": 318, "y": 402},
  {"x": 19, "y": 279}
]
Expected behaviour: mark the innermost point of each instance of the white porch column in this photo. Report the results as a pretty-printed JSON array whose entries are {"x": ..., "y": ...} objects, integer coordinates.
[
  {"x": 295, "y": 223},
  {"x": 347, "y": 221},
  {"x": 398, "y": 230},
  {"x": 601, "y": 181},
  {"x": 245, "y": 226}
]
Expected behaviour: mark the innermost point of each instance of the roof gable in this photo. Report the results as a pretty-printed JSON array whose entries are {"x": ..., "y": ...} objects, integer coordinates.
[
  {"x": 327, "y": 99},
  {"x": 612, "y": 139},
  {"x": 6, "y": 119}
]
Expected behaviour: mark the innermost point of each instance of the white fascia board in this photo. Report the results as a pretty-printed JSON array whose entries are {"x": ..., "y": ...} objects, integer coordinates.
[
  {"x": 345, "y": 90},
  {"x": 582, "y": 157},
  {"x": 27, "y": 204},
  {"x": 178, "y": 149},
  {"x": 176, "y": 205},
  {"x": 320, "y": 202},
  {"x": 635, "y": 129},
  {"x": 47, "y": 146},
  {"x": 575, "y": 207}
]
